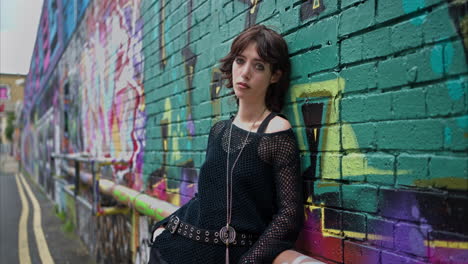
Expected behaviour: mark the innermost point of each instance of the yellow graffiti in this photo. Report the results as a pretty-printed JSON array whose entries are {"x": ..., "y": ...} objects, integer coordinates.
[
  {"x": 316, "y": 4},
  {"x": 354, "y": 164},
  {"x": 448, "y": 182},
  {"x": 331, "y": 88},
  {"x": 191, "y": 72},
  {"x": 167, "y": 114},
  {"x": 165, "y": 148},
  {"x": 446, "y": 244},
  {"x": 328, "y": 184},
  {"x": 172, "y": 195},
  {"x": 254, "y": 5},
  {"x": 115, "y": 136},
  {"x": 330, "y": 232},
  {"x": 175, "y": 142}
]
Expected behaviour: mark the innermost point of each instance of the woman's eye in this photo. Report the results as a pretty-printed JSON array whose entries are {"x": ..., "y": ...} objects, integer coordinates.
[
  {"x": 259, "y": 67},
  {"x": 239, "y": 61}
]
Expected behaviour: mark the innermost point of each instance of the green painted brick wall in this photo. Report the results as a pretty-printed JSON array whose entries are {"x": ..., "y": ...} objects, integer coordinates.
[{"x": 385, "y": 78}]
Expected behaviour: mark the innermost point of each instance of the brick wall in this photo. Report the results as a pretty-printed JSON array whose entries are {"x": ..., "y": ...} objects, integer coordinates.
[{"x": 378, "y": 103}]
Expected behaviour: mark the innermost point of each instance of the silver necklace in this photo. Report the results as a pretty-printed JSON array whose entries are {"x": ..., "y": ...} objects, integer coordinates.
[{"x": 227, "y": 233}]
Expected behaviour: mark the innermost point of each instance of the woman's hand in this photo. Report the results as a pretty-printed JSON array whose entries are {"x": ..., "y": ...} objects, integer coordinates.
[{"x": 157, "y": 232}]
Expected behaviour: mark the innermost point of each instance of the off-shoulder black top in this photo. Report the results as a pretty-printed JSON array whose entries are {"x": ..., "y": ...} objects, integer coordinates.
[{"x": 267, "y": 198}]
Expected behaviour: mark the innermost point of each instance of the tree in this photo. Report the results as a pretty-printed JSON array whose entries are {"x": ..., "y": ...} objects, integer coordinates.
[{"x": 10, "y": 128}]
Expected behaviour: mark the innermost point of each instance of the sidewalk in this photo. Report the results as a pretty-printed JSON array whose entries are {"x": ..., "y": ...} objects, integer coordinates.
[
  {"x": 64, "y": 247},
  {"x": 8, "y": 164}
]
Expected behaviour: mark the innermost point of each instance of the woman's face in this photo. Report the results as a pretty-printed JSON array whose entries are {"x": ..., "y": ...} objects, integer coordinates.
[{"x": 251, "y": 76}]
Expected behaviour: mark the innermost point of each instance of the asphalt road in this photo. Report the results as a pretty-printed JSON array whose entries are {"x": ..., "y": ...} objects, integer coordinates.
[{"x": 30, "y": 232}]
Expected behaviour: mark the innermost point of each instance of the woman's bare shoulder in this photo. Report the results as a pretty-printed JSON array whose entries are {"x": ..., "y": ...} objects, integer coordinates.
[{"x": 278, "y": 124}]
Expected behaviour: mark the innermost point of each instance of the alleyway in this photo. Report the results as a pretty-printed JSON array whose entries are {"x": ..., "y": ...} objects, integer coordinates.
[{"x": 23, "y": 206}]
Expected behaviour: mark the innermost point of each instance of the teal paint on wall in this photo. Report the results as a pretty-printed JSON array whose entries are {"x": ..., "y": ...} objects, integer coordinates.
[
  {"x": 378, "y": 104},
  {"x": 447, "y": 136},
  {"x": 455, "y": 90},
  {"x": 437, "y": 58},
  {"x": 410, "y": 6}
]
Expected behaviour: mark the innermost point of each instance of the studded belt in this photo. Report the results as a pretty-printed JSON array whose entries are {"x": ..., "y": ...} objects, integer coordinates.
[{"x": 175, "y": 226}]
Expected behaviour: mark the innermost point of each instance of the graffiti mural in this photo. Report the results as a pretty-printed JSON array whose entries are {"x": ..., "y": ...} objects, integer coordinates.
[
  {"x": 458, "y": 12},
  {"x": 251, "y": 14},
  {"x": 215, "y": 93},
  {"x": 104, "y": 113},
  {"x": 336, "y": 225},
  {"x": 113, "y": 239},
  {"x": 378, "y": 105},
  {"x": 175, "y": 180},
  {"x": 46, "y": 136},
  {"x": 86, "y": 225},
  {"x": 162, "y": 43},
  {"x": 337, "y": 180},
  {"x": 143, "y": 247},
  {"x": 48, "y": 48},
  {"x": 311, "y": 8}
]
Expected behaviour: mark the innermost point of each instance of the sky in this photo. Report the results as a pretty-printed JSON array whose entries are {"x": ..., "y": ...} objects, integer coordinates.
[{"x": 19, "y": 20}]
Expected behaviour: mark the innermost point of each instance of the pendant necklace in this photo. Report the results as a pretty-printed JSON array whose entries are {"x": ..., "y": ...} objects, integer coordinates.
[{"x": 227, "y": 233}]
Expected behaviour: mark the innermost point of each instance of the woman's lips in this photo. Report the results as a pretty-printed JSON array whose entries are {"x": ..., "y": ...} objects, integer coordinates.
[{"x": 242, "y": 85}]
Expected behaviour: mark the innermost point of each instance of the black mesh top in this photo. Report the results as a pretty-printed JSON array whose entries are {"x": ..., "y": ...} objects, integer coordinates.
[{"x": 267, "y": 193}]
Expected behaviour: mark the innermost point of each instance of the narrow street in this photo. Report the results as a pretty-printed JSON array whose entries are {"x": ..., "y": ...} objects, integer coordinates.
[{"x": 30, "y": 231}]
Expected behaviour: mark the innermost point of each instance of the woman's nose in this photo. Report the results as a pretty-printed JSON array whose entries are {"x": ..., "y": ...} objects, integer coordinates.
[{"x": 245, "y": 73}]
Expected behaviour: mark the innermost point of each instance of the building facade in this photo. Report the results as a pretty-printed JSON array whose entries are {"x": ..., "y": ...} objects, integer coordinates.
[{"x": 11, "y": 98}]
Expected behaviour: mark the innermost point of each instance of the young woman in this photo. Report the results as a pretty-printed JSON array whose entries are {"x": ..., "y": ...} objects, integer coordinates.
[{"x": 248, "y": 208}]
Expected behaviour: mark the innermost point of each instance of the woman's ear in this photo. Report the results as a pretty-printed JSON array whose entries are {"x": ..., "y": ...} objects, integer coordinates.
[{"x": 276, "y": 76}]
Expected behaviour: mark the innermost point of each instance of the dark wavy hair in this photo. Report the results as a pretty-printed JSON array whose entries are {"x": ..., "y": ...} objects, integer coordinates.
[{"x": 272, "y": 48}]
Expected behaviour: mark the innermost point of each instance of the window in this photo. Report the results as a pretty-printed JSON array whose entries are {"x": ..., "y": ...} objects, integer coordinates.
[{"x": 4, "y": 92}]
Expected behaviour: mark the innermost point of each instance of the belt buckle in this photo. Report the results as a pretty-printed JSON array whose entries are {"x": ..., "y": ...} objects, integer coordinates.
[{"x": 175, "y": 223}]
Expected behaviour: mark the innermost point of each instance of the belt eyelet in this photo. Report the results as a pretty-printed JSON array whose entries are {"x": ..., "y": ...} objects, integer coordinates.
[{"x": 175, "y": 223}]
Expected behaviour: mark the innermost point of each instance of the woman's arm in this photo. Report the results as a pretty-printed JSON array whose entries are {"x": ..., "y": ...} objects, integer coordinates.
[{"x": 284, "y": 228}]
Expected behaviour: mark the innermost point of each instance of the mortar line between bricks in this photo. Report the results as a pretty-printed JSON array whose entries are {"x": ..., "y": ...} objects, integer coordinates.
[
  {"x": 393, "y": 21},
  {"x": 268, "y": 18},
  {"x": 397, "y": 54},
  {"x": 426, "y": 118},
  {"x": 409, "y": 87},
  {"x": 297, "y": 3},
  {"x": 315, "y": 19},
  {"x": 376, "y": 9}
]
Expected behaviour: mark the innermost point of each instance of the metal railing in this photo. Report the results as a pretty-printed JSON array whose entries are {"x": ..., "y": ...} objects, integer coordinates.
[{"x": 141, "y": 202}]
